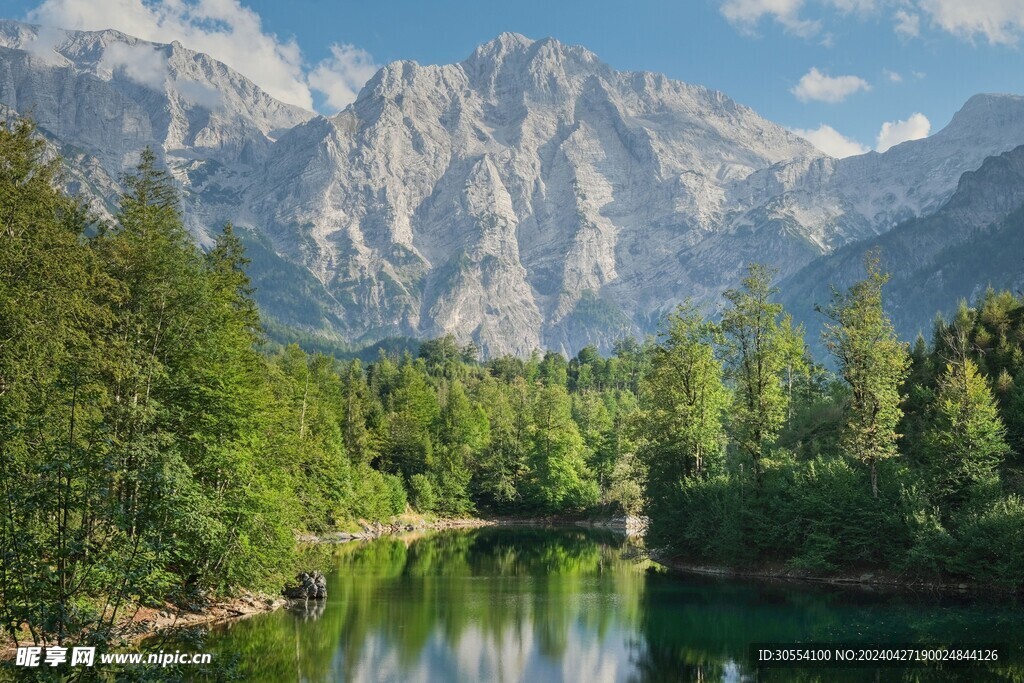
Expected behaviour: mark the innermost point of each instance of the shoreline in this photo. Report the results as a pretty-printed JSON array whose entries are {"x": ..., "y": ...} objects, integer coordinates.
[
  {"x": 877, "y": 579},
  {"x": 149, "y": 622}
]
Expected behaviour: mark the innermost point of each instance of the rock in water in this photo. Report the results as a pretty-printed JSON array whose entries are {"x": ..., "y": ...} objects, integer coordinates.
[{"x": 311, "y": 586}]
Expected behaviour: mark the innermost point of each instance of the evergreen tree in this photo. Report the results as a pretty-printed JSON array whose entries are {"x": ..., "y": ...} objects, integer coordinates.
[
  {"x": 503, "y": 463},
  {"x": 356, "y": 399},
  {"x": 967, "y": 438},
  {"x": 560, "y": 479}
]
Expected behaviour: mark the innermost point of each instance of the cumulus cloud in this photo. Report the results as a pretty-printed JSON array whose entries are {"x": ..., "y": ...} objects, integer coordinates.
[
  {"x": 907, "y": 24},
  {"x": 341, "y": 76},
  {"x": 747, "y": 13},
  {"x": 815, "y": 85},
  {"x": 999, "y": 21},
  {"x": 223, "y": 29},
  {"x": 894, "y": 132},
  {"x": 142, "y": 64},
  {"x": 892, "y": 76},
  {"x": 832, "y": 142}
]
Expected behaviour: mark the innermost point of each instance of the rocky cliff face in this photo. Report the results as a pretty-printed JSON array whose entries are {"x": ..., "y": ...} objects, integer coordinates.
[
  {"x": 529, "y": 196},
  {"x": 835, "y": 202},
  {"x": 102, "y": 96},
  {"x": 975, "y": 240}
]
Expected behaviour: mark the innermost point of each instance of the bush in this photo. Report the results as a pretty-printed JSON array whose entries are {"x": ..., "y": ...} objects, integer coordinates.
[
  {"x": 378, "y": 495},
  {"x": 990, "y": 545}
]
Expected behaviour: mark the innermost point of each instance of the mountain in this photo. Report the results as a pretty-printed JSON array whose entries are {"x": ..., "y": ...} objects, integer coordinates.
[
  {"x": 975, "y": 240},
  {"x": 529, "y": 196},
  {"x": 838, "y": 201},
  {"x": 102, "y": 96}
]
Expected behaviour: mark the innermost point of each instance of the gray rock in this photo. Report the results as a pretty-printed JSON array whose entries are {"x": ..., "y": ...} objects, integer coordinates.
[{"x": 311, "y": 586}]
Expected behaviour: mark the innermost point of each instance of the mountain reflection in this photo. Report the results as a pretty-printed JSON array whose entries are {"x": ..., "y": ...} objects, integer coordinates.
[{"x": 537, "y": 605}]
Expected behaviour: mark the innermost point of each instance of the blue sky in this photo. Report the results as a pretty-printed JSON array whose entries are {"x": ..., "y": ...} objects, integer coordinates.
[{"x": 851, "y": 65}]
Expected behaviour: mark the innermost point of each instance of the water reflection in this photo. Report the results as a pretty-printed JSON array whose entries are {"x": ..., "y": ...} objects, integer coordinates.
[{"x": 568, "y": 605}]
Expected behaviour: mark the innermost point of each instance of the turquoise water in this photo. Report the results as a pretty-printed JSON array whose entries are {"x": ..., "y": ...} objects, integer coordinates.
[{"x": 501, "y": 604}]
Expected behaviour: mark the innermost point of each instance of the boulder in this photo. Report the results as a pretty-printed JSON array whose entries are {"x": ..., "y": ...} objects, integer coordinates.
[{"x": 312, "y": 586}]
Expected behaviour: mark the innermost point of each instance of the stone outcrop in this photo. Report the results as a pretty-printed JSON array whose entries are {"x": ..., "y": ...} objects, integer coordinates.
[{"x": 311, "y": 586}]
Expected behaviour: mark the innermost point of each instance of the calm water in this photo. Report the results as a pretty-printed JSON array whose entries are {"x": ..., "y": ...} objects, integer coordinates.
[{"x": 539, "y": 605}]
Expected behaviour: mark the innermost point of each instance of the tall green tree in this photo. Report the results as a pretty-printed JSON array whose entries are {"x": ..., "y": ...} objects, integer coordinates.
[
  {"x": 874, "y": 363},
  {"x": 503, "y": 464},
  {"x": 52, "y": 394},
  {"x": 762, "y": 353},
  {"x": 967, "y": 438},
  {"x": 560, "y": 479},
  {"x": 682, "y": 406}
]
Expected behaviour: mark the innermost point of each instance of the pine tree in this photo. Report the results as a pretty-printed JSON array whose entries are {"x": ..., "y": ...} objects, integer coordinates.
[
  {"x": 560, "y": 479},
  {"x": 503, "y": 464},
  {"x": 967, "y": 438}
]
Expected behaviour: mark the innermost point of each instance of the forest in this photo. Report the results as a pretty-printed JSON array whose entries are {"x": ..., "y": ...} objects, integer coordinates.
[{"x": 155, "y": 444}]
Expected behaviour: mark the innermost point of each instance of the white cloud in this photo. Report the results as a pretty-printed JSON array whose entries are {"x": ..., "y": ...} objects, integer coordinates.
[
  {"x": 892, "y": 76},
  {"x": 199, "y": 94},
  {"x": 815, "y": 85},
  {"x": 747, "y": 13},
  {"x": 223, "y": 29},
  {"x": 1000, "y": 21},
  {"x": 997, "y": 21},
  {"x": 341, "y": 76},
  {"x": 832, "y": 142},
  {"x": 44, "y": 45},
  {"x": 858, "y": 6},
  {"x": 141, "y": 63},
  {"x": 908, "y": 24},
  {"x": 894, "y": 132}
]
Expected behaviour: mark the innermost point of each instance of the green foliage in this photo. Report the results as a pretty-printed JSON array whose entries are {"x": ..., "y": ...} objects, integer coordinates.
[
  {"x": 874, "y": 363},
  {"x": 966, "y": 441},
  {"x": 763, "y": 354},
  {"x": 152, "y": 446},
  {"x": 421, "y": 493},
  {"x": 560, "y": 479}
]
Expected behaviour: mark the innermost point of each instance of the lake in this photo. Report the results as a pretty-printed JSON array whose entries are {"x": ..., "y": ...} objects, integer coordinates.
[{"x": 538, "y": 604}]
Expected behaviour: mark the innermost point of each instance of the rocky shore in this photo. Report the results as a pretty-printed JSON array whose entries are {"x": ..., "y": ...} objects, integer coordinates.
[{"x": 371, "y": 530}]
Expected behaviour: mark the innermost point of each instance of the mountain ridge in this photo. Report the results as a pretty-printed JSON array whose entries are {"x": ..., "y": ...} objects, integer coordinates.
[{"x": 528, "y": 196}]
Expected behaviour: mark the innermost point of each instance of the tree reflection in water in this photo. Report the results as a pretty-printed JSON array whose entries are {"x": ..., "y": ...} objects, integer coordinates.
[{"x": 501, "y": 604}]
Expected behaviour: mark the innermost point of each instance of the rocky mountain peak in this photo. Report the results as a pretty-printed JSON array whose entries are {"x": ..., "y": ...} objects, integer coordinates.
[
  {"x": 513, "y": 62},
  {"x": 529, "y": 196},
  {"x": 984, "y": 115}
]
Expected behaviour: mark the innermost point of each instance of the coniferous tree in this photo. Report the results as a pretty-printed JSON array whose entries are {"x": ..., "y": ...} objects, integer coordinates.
[
  {"x": 560, "y": 479},
  {"x": 967, "y": 438}
]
